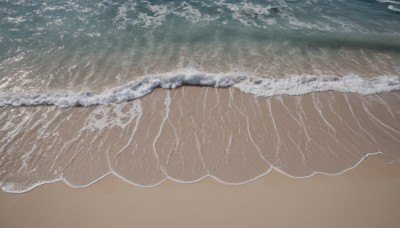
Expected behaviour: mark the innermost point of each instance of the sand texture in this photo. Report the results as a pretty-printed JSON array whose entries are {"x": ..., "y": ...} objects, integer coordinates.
[{"x": 368, "y": 196}]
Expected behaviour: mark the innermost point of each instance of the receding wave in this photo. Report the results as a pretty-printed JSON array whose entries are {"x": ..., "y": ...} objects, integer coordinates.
[
  {"x": 190, "y": 133},
  {"x": 294, "y": 85}
]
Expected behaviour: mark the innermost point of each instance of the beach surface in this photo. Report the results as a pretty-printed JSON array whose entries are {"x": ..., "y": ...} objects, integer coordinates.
[
  {"x": 273, "y": 113},
  {"x": 367, "y": 196},
  {"x": 190, "y": 133}
]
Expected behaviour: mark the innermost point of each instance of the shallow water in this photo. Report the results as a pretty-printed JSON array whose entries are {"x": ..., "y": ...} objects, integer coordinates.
[
  {"x": 59, "y": 47},
  {"x": 190, "y": 133}
]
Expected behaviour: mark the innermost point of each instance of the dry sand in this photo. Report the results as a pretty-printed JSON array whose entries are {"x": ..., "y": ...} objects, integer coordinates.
[{"x": 368, "y": 196}]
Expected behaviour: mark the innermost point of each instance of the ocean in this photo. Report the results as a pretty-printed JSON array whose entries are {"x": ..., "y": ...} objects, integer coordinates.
[{"x": 182, "y": 90}]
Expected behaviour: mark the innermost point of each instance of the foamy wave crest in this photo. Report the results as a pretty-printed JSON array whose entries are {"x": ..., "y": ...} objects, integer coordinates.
[
  {"x": 134, "y": 90},
  {"x": 294, "y": 85},
  {"x": 388, "y": 1},
  {"x": 393, "y": 8},
  {"x": 300, "y": 85},
  {"x": 391, "y": 5}
]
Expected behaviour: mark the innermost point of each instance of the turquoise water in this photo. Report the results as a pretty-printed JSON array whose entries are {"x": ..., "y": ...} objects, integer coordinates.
[{"x": 70, "y": 47}]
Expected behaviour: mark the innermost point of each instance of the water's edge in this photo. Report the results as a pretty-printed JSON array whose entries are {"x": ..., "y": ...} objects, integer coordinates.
[
  {"x": 30, "y": 188},
  {"x": 266, "y": 87}
]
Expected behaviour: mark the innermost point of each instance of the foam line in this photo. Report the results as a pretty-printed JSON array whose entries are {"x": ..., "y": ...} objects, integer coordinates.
[
  {"x": 9, "y": 186},
  {"x": 293, "y": 85}
]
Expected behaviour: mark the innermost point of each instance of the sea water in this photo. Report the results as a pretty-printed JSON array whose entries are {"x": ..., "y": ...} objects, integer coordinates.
[{"x": 56, "y": 50}]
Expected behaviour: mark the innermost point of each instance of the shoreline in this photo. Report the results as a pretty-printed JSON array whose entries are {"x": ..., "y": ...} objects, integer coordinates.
[
  {"x": 368, "y": 196},
  {"x": 214, "y": 178}
]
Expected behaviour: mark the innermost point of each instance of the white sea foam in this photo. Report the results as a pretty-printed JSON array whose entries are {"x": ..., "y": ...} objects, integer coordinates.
[
  {"x": 248, "y": 13},
  {"x": 293, "y": 85},
  {"x": 192, "y": 14},
  {"x": 393, "y": 8},
  {"x": 299, "y": 85},
  {"x": 15, "y": 20},
  {"x": 391, "y": 4},
  {"x": 388, "y": 1}
]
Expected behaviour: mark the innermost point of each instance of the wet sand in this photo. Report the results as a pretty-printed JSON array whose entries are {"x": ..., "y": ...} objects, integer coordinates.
[
  {"x": 368, "y": 196},
  {"x": 189, "y": 133}
]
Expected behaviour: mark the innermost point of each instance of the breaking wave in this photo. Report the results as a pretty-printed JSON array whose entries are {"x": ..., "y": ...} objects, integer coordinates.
[{"x": 294, "y": 85}]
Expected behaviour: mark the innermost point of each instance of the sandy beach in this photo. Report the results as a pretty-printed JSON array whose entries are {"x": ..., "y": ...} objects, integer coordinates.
[
  {"x": 368, "y": 196},
  {"x": 260, "y": 161},
  {"x": 200, "y": 113}
]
